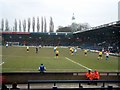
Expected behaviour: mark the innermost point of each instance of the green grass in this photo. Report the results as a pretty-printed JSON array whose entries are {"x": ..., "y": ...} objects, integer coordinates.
[{"x": 16, "y": 59}]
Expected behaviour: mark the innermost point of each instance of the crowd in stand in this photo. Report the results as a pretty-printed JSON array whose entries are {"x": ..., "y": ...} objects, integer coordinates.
[{"x": 94, "y": 39}]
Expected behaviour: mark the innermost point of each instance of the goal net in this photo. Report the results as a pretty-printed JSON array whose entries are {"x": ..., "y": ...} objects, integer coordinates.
[{"x": 13, "y": 43}]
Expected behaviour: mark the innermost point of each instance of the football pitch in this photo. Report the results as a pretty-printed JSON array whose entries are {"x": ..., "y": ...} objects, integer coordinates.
[{"x": 17, "y": 59}]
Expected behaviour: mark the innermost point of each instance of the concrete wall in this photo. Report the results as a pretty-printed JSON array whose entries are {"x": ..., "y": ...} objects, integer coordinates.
[{"x": 24, "y": 77}]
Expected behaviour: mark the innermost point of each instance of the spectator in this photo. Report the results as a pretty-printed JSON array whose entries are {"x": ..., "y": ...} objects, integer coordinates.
[
  {"x": 42, "y": 68},
  {"x": 96, "y": 75},
  {"x": 4, "y": 87},
  {"x": 89, "y": 75},
  {"x": 14, "y": 86}
]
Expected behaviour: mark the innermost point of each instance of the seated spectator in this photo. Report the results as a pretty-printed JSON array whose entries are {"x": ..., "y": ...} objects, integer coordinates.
[
  {"x": 42, "y": 68},
  {"x": 89, "y": 75},
  {"x": 96, "y": 75},
  {"x": 14, "y": 86}
]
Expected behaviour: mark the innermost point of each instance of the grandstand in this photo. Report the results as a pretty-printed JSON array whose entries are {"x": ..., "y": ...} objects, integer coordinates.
[
  {"x": 104, "y": 36},
  {"x": 33, "y": 39}
]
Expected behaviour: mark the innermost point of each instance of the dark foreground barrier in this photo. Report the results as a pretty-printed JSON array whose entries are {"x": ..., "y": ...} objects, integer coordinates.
[
  {"x": 23, "y": 77},
  {"x": 74, "y": 81}
]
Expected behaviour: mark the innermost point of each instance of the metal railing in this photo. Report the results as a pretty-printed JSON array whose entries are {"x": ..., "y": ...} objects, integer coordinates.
[{"x": 72, "y": 81}]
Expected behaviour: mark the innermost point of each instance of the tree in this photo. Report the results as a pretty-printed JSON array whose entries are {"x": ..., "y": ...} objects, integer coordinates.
[
  {"x": 64, "y": 29},
  {"x": 2, "y": 24},
  {"x": 38, "y": 24},
  {"x": 15, "y": 25},
  {"x": 41, "y": 24},
  {"x": 24, "y": 25},
  {"x": 83, "y": 26},
  {"x": 33, "y": 24},
  {"x": 45, "y": 25},
  {"x": 6, "y": 25},
  {"x": 51, "y": 26},
  {"x": 28, "y": 24},
  {"x": 19, "y": 25},
  {"x": 74, "y": 27}
]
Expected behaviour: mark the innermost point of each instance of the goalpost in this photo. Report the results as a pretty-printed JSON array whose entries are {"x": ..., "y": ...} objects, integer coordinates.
[{"x": 13, "y": 43}]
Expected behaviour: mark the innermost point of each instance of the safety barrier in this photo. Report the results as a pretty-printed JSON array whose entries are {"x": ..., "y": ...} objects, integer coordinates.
[
  {"x": 23, "y": 77},
  {"x": 73, "y": 81}
]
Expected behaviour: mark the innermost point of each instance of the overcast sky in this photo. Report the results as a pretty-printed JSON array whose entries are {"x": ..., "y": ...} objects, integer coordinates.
[{"x": 94, "y": 12}]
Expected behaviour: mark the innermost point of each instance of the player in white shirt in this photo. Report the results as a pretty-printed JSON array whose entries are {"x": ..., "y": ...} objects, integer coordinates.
[
  {"x": 6, "y": 45},
  {"x": 107, "y": 55},
  {"x": 55, "y": 48},
  {"x": 75, "y": 50}
]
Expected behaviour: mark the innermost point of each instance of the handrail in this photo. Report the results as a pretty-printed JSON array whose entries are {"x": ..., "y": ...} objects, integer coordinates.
[
  {"x": 72, "y": 81},
  {"x": 53, "y": 72}
]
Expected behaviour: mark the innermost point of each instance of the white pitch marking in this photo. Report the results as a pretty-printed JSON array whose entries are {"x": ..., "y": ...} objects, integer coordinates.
[
  {"x": 1, "y": 63},
  {"x": 78, "y": 63}
]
